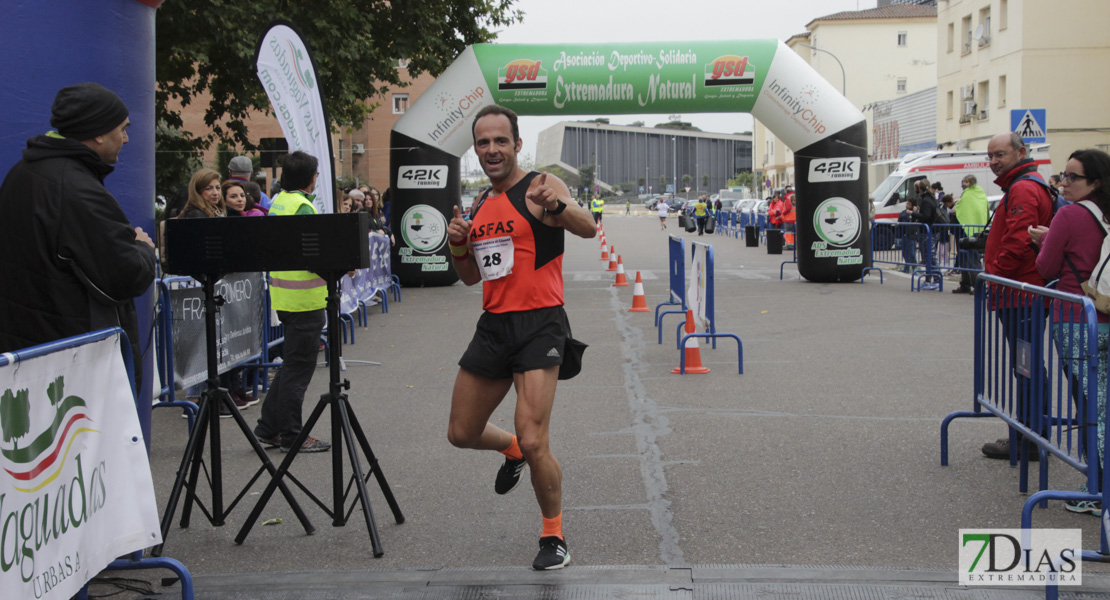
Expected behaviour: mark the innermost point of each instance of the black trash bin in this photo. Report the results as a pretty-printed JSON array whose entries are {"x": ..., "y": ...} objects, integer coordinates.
[
  {"x": 774, "y": 241},
  {"x": 751, "y": 236}
]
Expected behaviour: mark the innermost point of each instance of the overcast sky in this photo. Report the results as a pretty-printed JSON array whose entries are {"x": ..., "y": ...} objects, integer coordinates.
[{"x": 584, "y": 21}]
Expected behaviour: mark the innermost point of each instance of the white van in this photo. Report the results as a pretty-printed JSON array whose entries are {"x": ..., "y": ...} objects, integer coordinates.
[{"x": 949, "y": 168}]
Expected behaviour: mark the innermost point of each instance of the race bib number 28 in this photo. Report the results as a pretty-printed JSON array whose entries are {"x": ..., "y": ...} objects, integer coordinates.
[{"x": 495, "y": 257}]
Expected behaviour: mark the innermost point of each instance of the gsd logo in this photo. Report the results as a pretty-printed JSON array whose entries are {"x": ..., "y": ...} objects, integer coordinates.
[
  {"x": 522, "y": 74},
  {"x": 729, "y": 70}
]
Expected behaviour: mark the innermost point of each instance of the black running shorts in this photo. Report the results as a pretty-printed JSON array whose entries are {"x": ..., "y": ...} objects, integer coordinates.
[{"x": 515, "y": 342}]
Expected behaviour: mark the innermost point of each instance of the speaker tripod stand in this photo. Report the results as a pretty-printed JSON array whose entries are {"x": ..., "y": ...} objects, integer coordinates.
[
  {"x": 208, "y": 425},
  {"x": 346, "y": 433}
]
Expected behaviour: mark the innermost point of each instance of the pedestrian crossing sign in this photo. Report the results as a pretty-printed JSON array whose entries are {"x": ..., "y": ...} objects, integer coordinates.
[{"x": 1029, "y": 123}]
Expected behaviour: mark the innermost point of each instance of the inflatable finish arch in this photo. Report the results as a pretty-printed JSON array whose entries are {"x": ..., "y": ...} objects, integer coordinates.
[
  {"x": 762, "y": 77},
  {"x": 110, "y": 42}
]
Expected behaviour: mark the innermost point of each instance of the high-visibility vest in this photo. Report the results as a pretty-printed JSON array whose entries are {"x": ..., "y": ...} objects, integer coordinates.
[
  {"x": 295, "y": 291},
  {"x": 791, "y": 215},
  {"x": 597, "y": 205}
]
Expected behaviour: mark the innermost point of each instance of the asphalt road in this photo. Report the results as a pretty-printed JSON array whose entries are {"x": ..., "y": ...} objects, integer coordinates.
[{"x": 825, "y": 452}]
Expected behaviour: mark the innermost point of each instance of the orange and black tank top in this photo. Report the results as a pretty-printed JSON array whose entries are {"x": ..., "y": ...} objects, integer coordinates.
[{"x": 536, "y": 277}]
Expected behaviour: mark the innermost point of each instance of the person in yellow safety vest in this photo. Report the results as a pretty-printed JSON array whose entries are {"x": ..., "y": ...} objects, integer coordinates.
[
  {"x": 700, "y": 214},
  {"x": 299, "y": 297},
  {"x": 596, "y": 206},
  {"x": 789, "y": 220}
]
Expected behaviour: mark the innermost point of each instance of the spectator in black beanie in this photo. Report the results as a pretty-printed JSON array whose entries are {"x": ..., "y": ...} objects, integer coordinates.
[{"x": 72, "y": 261}]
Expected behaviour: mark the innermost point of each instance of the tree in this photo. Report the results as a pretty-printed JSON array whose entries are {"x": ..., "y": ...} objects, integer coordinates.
[
  {"x": 526, "y": 161},
  {"x": 208, "y": 47},
  {"x": 743, "y": 179},
  {"x": 586, "y": 173},
  {"x": 705, "y": 180},
  {"x": 55, "y": 391},
  {"x": 15, "y": 415},
  {"x": 573, "y": 181},
  {"x": 682, "y": 125},
  {"x": 636, "y": 124},
  {"x": 662, "y": 184}
]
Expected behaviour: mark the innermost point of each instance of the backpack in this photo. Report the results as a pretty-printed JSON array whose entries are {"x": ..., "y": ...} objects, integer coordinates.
[
  {"x": 1057, "y": 199},
  {"x": 941, "y": 217},
  {"x": 1097, "y": 287}
]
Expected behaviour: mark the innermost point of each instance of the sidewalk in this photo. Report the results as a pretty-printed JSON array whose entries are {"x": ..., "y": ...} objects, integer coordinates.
[{"x": 824, "y": 452}]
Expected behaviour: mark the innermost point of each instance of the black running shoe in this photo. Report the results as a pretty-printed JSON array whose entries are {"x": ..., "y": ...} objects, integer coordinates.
[
  {"x": 508, "y": 476},
  {"x": 553, "y": 554}
]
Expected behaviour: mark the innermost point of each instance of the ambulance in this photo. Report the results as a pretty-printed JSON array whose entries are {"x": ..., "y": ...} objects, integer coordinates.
[{"x": 949, "y": 168}]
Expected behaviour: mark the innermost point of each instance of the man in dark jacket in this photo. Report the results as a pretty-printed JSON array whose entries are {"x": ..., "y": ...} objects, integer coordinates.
[
  {"x": 72, "y": 261},
  {"x": 1009, "y": 253}
]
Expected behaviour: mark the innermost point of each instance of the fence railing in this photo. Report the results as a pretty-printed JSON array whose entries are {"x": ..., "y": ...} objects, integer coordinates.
[
  {"x": 925, "y": 252},
  {"x": 1036, "y": 362}
]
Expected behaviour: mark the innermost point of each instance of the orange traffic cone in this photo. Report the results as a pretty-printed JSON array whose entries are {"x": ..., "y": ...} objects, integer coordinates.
[
  {"x": 639, "y": 301},
  {"x": 622, "y": 281},
  {"x": 612, "y": 259},
  {"x": 603, "y": 240},
  {"x": 693, "y": 352},
  {"x": 604, "y": 252}
]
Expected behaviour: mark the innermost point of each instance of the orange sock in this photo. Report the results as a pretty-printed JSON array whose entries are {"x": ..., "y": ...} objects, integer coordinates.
[
  {"x": 513, "y": 451},
  {"x": 553, "y": 527}
]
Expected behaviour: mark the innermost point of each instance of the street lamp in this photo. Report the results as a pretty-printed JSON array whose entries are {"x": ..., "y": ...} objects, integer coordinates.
[
  {"x": 674, "y": 150},
  {"x": 843, "y": 79}
]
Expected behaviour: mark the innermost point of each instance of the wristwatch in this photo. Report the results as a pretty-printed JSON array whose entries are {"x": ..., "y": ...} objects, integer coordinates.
[{"x": 560, "y": 207}]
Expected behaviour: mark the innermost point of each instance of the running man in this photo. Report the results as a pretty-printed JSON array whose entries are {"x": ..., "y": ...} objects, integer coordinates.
[{"x": 514, "y": 245}]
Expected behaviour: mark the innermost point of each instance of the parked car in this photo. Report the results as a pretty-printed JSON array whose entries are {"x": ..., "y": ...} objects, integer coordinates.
[{"x": 745, "y": 206}]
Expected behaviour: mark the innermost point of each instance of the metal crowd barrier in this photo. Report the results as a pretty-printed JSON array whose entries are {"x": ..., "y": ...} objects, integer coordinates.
[
  {"x": 273, "y": 334},
  {"x": 949, "y": 257},
  {"x": 907, "y": 246},
  {"x": 134, "y": 560},
  {"x": 710, "y": 317},
  {"x": 676, "y": 268},
  {"x": 1036, "y": 368}
]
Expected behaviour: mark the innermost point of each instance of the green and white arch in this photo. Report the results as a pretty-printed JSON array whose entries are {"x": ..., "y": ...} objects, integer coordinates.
[{"x": 761, "y": 77}]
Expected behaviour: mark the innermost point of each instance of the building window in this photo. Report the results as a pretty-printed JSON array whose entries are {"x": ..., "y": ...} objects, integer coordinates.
[
  {"x": 400, "y": 103},
  {"x": 983, "y": 102},
  {"x": 901, "y": 85},
  {"x": 1001, "y": 90},
  {"x": 983, "y": 31},
  {"x": 901, "y": 39},
  {"x": 951, "y": 36},
  {"x": 1002, "y": 11},
  {"x": 965, "y": 30},
  {"x": 948, "y": 106},
  {"x": 401, "y": 63}
]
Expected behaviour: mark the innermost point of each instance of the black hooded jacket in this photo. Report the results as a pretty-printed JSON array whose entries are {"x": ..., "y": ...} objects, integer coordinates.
[{"x": 69, "y": 260}]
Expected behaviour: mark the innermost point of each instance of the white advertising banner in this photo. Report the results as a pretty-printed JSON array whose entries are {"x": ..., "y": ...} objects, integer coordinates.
[
  {"x": 287, "y": 73},
  {"x": 696, "y": 292},
  {"x": 441, "y": 117},
  {"x": 799, "y": 105},
  {"x": 75, "y": 486}
]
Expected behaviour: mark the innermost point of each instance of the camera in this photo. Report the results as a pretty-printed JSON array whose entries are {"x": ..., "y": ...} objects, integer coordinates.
[{"x": 975, "y": 242}]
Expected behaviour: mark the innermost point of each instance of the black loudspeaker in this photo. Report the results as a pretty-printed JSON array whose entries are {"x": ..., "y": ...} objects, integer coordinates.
[
  {"x": 774, "y": 241},
  {"x": 222, "y": 245}
]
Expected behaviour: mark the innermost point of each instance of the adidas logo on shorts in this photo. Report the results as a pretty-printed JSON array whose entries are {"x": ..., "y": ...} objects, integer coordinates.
[{"x": 553, "y": 352}]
